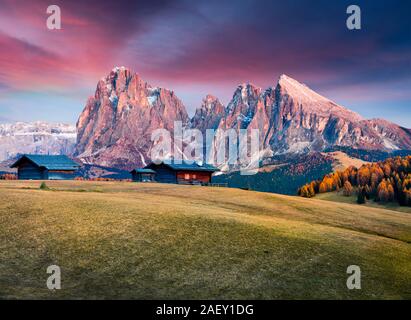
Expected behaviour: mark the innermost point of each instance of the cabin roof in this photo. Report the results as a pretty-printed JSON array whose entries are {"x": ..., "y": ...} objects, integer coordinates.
[
  {"x": 186, "y": 166},
  {"x": 143, "y": 171},
  {"x": 60, "y": 162}
]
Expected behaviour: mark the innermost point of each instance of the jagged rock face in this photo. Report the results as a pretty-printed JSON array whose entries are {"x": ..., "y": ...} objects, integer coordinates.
[
  {"x": 391, "y": 135},
  {"x": 242, "y": 107},
  {"x": 250, "y": 108},
  {"x": 305, "y": 121},
  {"x": 36, "y": 137},
  {"x": 292, "y": 118},
  {"x": 262, "y": 120},
  {"x": 209, "y": 115},
  {"x": 115, "y": 126}
]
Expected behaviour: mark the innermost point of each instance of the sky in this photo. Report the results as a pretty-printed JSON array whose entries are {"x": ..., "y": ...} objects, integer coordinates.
[{"x": 204, "y": 47}]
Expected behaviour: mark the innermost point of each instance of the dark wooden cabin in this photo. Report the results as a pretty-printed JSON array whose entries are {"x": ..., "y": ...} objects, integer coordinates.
[
  {"x": 143, "y": 175},
  {"x": 45, "y": 167},
  {"x": 170, "y": 172}
]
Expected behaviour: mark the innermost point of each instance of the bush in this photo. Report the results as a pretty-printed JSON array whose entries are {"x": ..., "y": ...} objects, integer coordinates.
[{"x": 43, "y": 186}]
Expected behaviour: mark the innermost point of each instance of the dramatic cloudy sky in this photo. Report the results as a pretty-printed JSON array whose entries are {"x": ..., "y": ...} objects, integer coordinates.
[{"x": 204, "y": 46}]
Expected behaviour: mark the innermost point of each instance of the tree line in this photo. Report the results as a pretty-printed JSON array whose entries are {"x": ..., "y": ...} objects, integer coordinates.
[{"x": 383, "y": 181}]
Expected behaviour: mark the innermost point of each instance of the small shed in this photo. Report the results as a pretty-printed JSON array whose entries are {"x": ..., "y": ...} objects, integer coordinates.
[
  {"x": 143, "y": 175},
  {"x": 45, "y": 167},
  {"x": 182, "y": 173}
]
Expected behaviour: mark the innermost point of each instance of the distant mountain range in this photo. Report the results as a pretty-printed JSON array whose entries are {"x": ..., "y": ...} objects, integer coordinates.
[
  {"x": 36, "y": 137},
  {"x": 115, "y": 126},
  {"x": 114, "y": 129}
]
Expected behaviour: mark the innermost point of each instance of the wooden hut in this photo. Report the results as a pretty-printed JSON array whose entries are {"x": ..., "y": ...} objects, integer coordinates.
[
  {"x": 182, "y": 173},
  {"x": 143, "y": 175},
  {"x": 45, "y": 167}
]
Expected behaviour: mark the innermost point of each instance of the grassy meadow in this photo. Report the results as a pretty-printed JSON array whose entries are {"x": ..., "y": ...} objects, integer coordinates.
[
  {"x": 339, "y": 197},
  {"x": 121, "y": 240}
]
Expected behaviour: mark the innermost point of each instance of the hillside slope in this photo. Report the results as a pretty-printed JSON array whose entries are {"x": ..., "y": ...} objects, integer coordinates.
[
  {"x": 127, "y": 240},
  {"x": 342, "y": 160}
]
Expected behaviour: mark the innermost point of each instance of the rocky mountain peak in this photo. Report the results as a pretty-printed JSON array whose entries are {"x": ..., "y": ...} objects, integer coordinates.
[
  {"x": 209, "y": 100},
  {"x": 309, "y": 101},
  {"x": 245, "y": 91},
  {"x": 241, "y": 109},
  {"x": 115, "y": 126},
  {"x": 209, "y": 114}
]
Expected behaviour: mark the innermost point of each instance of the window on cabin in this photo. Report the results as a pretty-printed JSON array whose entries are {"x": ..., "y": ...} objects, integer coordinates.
[
  {"x": 187, "y": 176},
  {"x": 194, "y": 176}
]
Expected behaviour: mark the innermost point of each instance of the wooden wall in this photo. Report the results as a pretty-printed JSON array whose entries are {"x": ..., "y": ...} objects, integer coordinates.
[
  {"x": 193, "y": 176},
  {"x": 60, "y": 175},
  {"x": 164, "y": 174},
  {"x": 29, "y": 171},
  {"x": 139, "y": 177}
]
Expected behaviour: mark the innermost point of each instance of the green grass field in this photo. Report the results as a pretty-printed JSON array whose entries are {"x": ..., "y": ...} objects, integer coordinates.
[
  {"x": 339, "y": 197},
  {"x": 154, "y": 241}
]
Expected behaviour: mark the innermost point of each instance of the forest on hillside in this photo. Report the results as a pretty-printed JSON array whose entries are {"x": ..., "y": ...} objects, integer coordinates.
[
  {"x": 383, "y": 181},
  {"x": 288, "y": 174}
]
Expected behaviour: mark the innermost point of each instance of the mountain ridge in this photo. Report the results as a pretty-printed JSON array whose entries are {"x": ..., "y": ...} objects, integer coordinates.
[
  {"x": 36, "y": 137},
  {"x": 115, "y": 125}
]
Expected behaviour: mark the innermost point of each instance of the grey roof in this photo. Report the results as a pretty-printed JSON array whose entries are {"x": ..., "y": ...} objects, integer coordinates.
[
  {"x": 187, "y": 167},
  {"x": 49, "y": 162},
  {"x": 143, "y": 171}
]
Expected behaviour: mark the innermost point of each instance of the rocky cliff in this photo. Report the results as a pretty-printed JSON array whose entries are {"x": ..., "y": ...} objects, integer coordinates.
[{"x": 115, "y": 126}]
